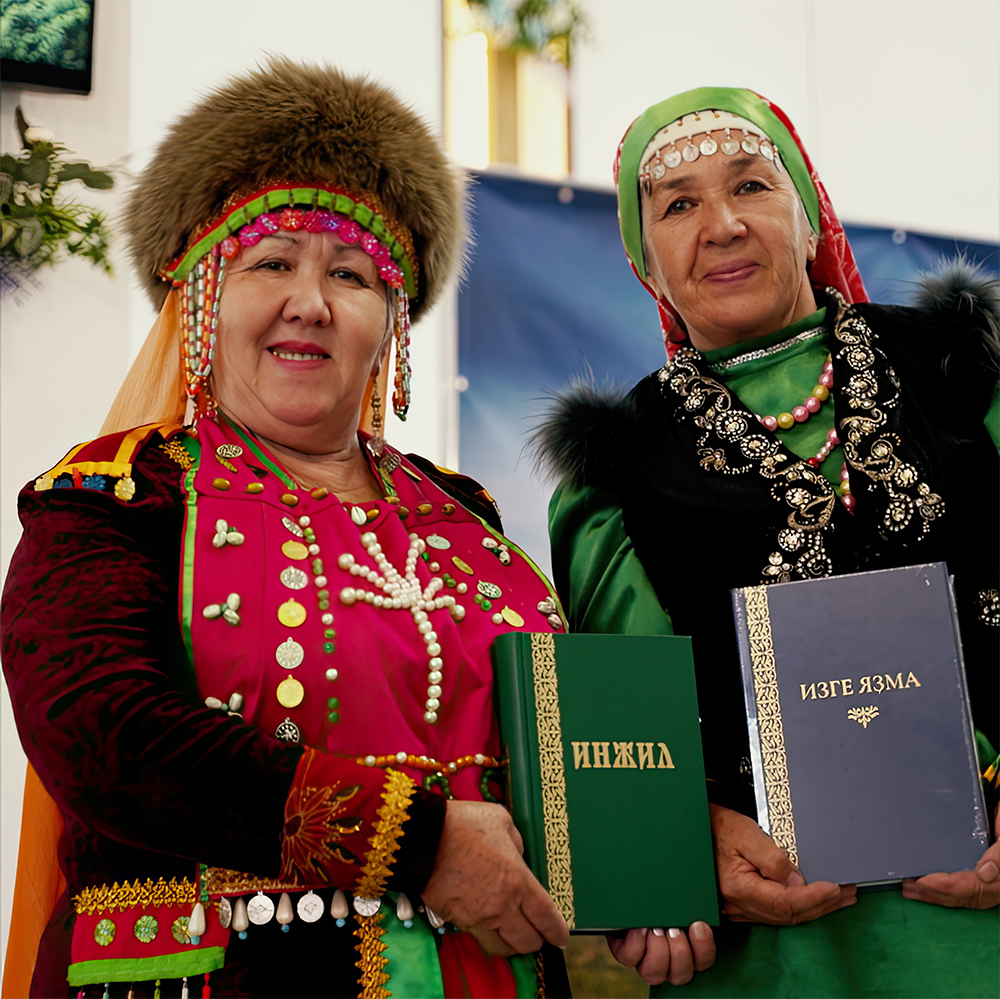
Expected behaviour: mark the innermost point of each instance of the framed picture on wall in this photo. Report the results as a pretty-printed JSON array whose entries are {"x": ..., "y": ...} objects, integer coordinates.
[{"x": 47, "y": 44}]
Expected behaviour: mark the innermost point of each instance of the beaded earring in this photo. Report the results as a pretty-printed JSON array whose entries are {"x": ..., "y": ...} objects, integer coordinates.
[
  {"x": 401, "y": 333},
  {"x": 199, "y": 326},
  {"x": 377, "y": 443}
]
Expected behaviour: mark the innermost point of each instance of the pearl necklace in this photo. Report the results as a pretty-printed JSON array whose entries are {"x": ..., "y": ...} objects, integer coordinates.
[
  {"x": 394, "y": 591},
  {"x": 811, "y": 404}
]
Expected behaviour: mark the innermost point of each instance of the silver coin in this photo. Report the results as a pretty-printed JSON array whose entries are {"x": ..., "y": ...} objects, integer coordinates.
[
  {"x": 367, "y": 906},
  {"x": 708, "y": 146},
  {"x": 657, "y": 170},
  {"x": 750, "y": 146},
  {"x": 730, "y": 147},
  {"x": 690, "y": 152},
  {"x": 292, "y": 526},
  {"x": 673, "y": 158},
  {"x": 289, "y": 654},
  {"x": 436, "y": 541},
  {"x": 489, "y": 590},
  {"x": 309, "y": 907},
  {"x": 225, "y": 910},
  {"x": 766, "y": 151},
  {"x": 294, "y": 579},
  {"x": 260, "y": 910},
  {"x": 288, "y": 732}
]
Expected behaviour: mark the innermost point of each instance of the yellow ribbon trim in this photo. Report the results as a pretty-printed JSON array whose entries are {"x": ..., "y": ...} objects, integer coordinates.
[{"x": 120, "y": 465}]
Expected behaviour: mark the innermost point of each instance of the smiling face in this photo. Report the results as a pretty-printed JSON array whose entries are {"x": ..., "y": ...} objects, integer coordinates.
[
  {"x": 727, "y": 243},
  {"x": 302, "y": 327}
]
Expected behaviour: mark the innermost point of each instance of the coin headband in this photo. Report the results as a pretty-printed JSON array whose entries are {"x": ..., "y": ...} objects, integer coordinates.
[{"x": 674, "y": 143}]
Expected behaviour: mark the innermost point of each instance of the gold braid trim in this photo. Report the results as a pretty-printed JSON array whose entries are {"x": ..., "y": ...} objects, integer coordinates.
[
  {"x": 396, "y": 794},
  {"x": 371, "y": 948},
  {"x": 129, "y": 895},
  {"x": 179, "y": 453}
]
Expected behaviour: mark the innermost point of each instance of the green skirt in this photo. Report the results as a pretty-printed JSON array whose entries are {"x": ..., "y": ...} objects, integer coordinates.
[{"x": 883, "y": 946}]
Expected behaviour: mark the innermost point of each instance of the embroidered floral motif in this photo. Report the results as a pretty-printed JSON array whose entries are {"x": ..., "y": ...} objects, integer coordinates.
[
  {"x": 314, "y": 823},
  {"x": 733, "y": 443},
  {"x": 869, "y": 445},
  {"x": 989, "y": 607}
]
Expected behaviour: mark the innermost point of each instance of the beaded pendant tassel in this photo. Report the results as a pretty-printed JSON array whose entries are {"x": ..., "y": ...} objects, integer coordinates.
[
  {"x": 401, "y": 382},
  {"x": 199, "y": 326}
]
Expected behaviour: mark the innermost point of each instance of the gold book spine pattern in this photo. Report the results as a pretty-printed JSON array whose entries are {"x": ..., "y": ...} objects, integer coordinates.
[
  {"x": 772, "y": 736},
  {"x": 559, "y": 864}
]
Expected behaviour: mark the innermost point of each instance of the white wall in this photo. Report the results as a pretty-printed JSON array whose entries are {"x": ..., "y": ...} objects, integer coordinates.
[{"x": 897, "y": 101}]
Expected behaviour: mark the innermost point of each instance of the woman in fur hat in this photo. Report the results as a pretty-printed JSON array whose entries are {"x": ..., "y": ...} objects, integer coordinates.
[
  {"x": 247, "y": 644},
  {"x": 874, "y": 445}
]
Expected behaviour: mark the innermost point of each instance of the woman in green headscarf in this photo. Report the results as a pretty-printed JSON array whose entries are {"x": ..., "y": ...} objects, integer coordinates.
[{"x": 664, "y": 506}]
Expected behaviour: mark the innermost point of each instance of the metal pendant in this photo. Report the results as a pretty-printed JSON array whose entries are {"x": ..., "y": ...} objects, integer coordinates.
[
  {"x": 749, "y": 145},
  {"x": 730, "y": 147},
  {"x": 225, "y": 911},
  {"x": 309, "y": 907},
  {"x": 294, "y": 579},
  {"x": 229, "y": 450},
  {"x": 708, "y": 146},
  {"x": 436, "y": 541},
  {"x": 389, "y": 462},
  {"x": 673, "y": 159},
  {"x": 289, "y": 654},
  {"x": 292, "y": 526},
  {"x": 291, "y": 613},
  {"x": 260, "y": 910},
  {"x": 288, "y": 732},
  {"x": 657, "y": 170},
  {"x": 290, "y": 692},
  {"x": 366, "y": 906},
  {"x": 489, "y": 590},
  {"x": 295, "y": 550}
]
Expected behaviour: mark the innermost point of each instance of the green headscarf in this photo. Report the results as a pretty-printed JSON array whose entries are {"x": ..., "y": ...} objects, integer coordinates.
[{"x": 736, "y": 101}]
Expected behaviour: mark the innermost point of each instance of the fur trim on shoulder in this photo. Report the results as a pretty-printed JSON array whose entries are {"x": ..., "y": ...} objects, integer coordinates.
[
  {"x": 577, "y": 436},
  {"x": 959, "y": 285}
]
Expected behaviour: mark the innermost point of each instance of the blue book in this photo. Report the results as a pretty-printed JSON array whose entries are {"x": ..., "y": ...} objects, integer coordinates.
[{"x": 864, "y": 761}]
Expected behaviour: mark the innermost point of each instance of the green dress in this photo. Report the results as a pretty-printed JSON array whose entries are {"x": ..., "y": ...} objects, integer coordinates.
[{"x": 884, "y": 945}]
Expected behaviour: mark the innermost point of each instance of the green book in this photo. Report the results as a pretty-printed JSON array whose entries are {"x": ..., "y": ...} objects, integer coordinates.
[{"x": 607, "y": 781}]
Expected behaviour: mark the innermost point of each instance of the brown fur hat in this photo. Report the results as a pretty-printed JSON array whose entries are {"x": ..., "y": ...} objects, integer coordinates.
[{"x": 292, "y": 122}]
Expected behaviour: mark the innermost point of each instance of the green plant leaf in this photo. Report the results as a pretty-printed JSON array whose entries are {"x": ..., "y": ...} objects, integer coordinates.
[
  {"x": 6, "y": 187},
  {"x": 97, "y": 179},
  {"x": 7, "y": 232},
  {"x": 36, "y": 171},
  {"x": 29, "y": 238}
]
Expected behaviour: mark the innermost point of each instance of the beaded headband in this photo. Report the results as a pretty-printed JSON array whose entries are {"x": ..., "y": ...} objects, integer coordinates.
[
  {"x": 199, "y": 271},
  {"x": 662, "y": 153},
  {"x": 355, "y": 218}
]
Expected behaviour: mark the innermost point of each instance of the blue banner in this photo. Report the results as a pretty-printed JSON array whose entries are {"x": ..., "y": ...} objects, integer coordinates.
[{"x": 550, "y": 297}]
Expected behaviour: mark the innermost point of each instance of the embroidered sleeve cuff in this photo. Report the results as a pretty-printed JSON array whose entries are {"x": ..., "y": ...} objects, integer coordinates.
[{"x": 342, "y": 823}]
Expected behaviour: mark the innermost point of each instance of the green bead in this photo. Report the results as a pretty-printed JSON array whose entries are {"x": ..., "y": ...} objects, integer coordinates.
[
  {"x": 426, "y": 556},
  {"x": 323, "y": 594},
  {"x": 449, "y": 581},
  {"x": 318, "y": 566},
  {"x": 324, "y": 605},
  {"x": 309, "y": 534},
  {"x": 333, "y": 703},
  {"x": 329, "y": 633},
  {"x": 478, "y": 598},
  {"x": 328, "y": 646},
  {"x": 333, "y": 717},
  {"x": 486, "y": 605}
]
